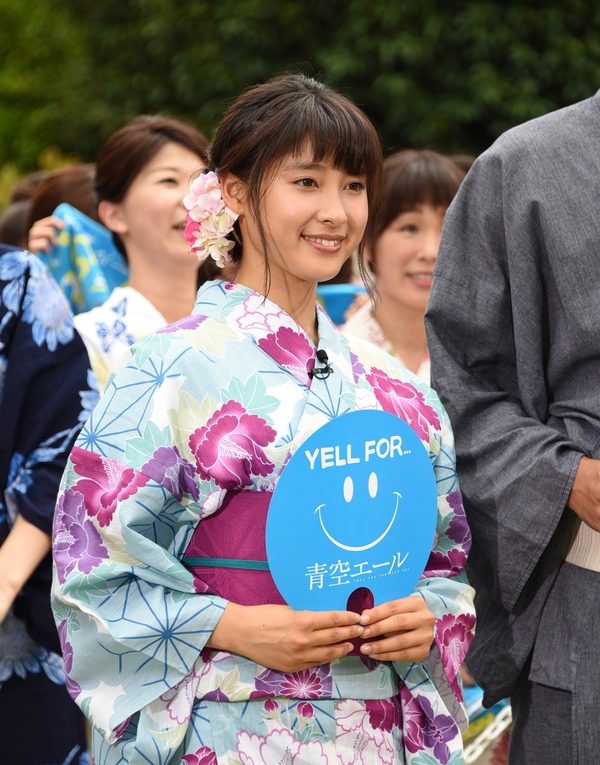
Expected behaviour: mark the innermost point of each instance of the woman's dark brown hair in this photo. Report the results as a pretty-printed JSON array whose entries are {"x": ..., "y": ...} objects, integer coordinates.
[
  {"x": 283, "y": 116},
  {"x": 414, "y": 177},
  {"x": 124, "y": 155},
  {"x": 73, "y": 184}
]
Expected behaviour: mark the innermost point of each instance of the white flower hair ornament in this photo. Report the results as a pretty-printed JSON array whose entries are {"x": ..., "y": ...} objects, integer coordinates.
[{"x": 209, "y": 220}]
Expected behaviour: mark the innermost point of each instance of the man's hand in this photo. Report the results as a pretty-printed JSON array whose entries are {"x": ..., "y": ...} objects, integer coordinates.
[{"x": 584, "y": 498}]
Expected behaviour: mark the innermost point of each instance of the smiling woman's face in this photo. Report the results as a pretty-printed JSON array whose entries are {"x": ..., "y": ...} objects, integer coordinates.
[
  {"x": 405, "y": 254},
  {"x": 151, "y": 218},
  {"x": 314, "y": 217}
]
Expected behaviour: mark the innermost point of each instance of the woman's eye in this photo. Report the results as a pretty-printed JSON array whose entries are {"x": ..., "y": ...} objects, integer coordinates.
[
  {"x": 308, "y": 182},
  {"x": 169, "y": 180},
  {"x": 409, "y": 228},
  {"x": 356, "y": 186}
]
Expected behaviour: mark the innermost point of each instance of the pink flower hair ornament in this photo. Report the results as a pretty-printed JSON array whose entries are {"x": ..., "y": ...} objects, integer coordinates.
[{"x": 209, "y": 220}]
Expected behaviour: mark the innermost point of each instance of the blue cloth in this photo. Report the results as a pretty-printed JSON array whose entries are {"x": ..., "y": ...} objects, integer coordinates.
[{"x": 84, "y": 261}]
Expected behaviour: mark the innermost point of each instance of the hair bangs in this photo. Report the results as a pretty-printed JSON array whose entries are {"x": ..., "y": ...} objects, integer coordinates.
[
  {"x": 415, "y": 177},
  {"x": 335, "y": 133}
]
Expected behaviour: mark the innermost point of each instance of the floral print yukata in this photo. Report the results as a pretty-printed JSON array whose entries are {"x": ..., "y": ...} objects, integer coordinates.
[{"x": 214, "y": 404}]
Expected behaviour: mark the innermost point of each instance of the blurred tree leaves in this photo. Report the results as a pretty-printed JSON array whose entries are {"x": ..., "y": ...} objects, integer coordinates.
[{"x": 450, "y": 75}]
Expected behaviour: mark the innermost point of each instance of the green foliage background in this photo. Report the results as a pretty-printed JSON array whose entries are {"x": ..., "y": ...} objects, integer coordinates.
[{"x": 440, "y": 73}]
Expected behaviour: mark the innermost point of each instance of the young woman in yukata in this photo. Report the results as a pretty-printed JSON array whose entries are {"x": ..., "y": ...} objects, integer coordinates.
[
  {"x": 142, "y": 175},
  {"x": 179, "y": 662}
]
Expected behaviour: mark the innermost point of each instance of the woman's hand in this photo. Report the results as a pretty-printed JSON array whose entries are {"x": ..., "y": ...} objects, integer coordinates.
[
  {"x": 43, "y": 235},
  {"x": 407, "y": 626},
  {"x": 283, "y": 639}
]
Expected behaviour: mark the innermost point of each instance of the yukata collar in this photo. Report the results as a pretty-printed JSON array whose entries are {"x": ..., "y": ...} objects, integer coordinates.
[{"x": 269, "y": 326}]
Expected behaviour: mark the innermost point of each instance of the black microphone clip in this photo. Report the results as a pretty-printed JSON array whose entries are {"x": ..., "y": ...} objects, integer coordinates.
[{"x": 322, "y": 373}]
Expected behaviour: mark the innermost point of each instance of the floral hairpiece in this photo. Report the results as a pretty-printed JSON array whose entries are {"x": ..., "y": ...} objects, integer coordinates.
[{"x": 209, "y": 220}]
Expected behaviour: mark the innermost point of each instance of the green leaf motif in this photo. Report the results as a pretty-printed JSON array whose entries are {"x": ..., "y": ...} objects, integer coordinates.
[
  {"x": 139, "y": 450},
  {"x": 213, "y": 338},
  {"x": 253, "y": 393},
  {"x": 156, "y": 346}
]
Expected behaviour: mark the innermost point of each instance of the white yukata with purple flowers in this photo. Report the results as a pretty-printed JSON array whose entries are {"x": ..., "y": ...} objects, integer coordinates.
[{"x": 212, "y": 405}]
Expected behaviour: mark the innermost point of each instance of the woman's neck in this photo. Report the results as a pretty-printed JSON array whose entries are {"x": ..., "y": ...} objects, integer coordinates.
[
  {"x": 404, "y": 328},
  {"x": 172, "y": 293},
  {"x": 297, "y": 299}
]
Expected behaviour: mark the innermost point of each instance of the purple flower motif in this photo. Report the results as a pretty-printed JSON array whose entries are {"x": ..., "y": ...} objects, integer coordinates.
[
  {"x": 168, "y": 468},
  {"x": 437, "y": 730},
  {"x": 314, "y": 683},
  {"x": 77, "y": 544},
  {"x": 216, "y": 695},
  {"x": 292, "y": 350},
  {"x": 384, "y": 714},
  {"x": 450, "y": 563},
  {"x": 405, "y": 401},
  {"x": 202, "y": 756},
  {"x": 228, "y": 448},
  {"x": 358, "y": 369},
  {"x": 458, "y": 528},
  {"x": 271, "y": 706},
  {"x": 413, "y": 721},
  {"x": 424, "y": 730},
  {"x": 453, "y": 635},
  {"x": 105, "y": 483},
  {"x": 188, "y": 322},
  {"x": 73, "y": 688},
  {"x": 305, "y": 710}
]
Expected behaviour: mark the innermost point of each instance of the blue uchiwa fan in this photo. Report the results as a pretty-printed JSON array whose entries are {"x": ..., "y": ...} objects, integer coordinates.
[
  {"x": 355, "y": 507},
  {"x": 336, "y": 299}
]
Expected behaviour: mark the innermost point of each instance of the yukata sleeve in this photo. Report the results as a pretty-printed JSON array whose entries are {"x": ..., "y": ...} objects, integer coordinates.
[
  {"x": 431, "y": 691},
  {"x": 131, "y": 624}
]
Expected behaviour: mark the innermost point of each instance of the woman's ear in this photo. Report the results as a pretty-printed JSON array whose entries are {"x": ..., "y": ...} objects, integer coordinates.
[
  {"x": 234, "y": 192},
  {"x": 111, "y": 215}
]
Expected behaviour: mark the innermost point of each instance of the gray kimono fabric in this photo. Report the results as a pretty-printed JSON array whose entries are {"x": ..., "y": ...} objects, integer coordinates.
[{"x": 513, "y": 328}]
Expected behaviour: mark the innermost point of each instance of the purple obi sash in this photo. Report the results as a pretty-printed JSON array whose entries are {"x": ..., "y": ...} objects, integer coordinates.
[{"x": 227, "y": 553}]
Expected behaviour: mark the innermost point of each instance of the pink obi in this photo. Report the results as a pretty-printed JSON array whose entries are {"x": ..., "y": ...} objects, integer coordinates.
[{"x": 227, "y": 554}]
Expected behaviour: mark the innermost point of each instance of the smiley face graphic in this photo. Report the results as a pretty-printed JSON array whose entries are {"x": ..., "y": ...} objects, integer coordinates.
[
  {"x": 355, "y": 507},
  {"x": 348, "y": 492}
]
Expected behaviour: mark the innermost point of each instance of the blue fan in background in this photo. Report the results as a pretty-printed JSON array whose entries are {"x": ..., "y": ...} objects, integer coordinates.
[
  {"x": 337, "y": 298},
  {"x": 84, "y": 261}
]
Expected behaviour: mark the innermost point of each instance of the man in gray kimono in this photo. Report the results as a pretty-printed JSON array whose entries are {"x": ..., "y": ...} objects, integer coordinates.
[{"x": 514, "y": 335}]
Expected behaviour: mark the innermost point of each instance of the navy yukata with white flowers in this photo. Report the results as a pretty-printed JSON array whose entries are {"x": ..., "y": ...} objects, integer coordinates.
[{"x": 46, "y": 391}]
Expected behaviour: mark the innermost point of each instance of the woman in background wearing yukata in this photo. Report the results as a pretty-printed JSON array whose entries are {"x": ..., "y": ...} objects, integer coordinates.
[
  {"x": 175, "y": 661},
  {"x": 143, "y": 172},
  {"x": 45, "y": 393},
  {"x": 418, "y": 187}
]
